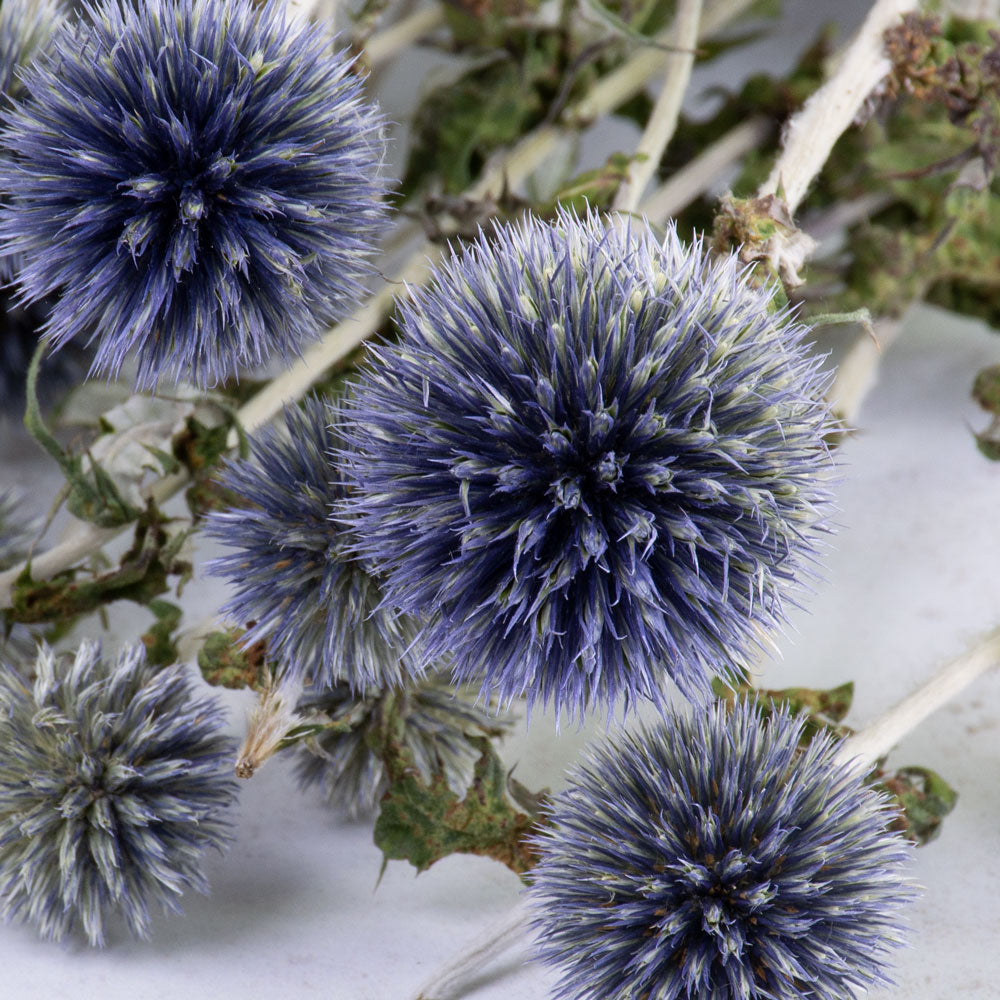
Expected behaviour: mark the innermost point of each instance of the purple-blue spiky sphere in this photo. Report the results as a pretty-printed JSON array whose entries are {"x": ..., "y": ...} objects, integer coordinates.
[
  {"x": 709, "y": 858},
  {"x": 595, "y": 459},
  {"x": 198, "y": 180},
  {"x": 317, "y": 606}
]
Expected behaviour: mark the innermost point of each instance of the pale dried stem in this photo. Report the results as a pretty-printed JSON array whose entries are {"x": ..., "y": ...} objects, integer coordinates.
[
  {"x": 607, "y": 94},
  {"x": 815, "y": 129},
  {"x": 663, "y": 120},
  {"x": 877, "y": 738},
  {"x": 695, "y": 177},
  {"x": 448, "y": 981},
  {"x": 385, "y": 45},
  {"x": 857, "y": 372},
  {"x": 338, "y": 343}
]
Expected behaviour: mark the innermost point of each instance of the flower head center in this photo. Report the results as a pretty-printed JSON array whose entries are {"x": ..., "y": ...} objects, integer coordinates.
[
  {"x": 584, "y": 462},
  {"x": 719, "y": 896}
]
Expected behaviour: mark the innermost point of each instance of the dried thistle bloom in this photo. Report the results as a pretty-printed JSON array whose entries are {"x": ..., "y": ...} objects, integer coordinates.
[
  {"x": 271, "y": 720},
  {"x": 593, "y": 460},
  {"x": 708, "y": 858},
  {"x": 113, "y": 785},
  {"x": 436, "y": 721},
  {"x": 199, "y": 179},
  {"x": 318, "y": 607}
]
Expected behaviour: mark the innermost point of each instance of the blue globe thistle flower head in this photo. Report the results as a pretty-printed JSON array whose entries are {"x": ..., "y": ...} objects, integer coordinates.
[
  {"x": 595, "y": 459},
  {"x": 319, "y": 608},
  {"x": 437, "y": 720},
  {"x": 199, "y": 179},
  {"x": 709, "y": 858},
  {"x": 114, "y": 782}
]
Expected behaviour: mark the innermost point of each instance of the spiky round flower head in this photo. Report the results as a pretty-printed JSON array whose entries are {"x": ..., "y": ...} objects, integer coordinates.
[
  {"x": 436, "y": 721},
  {"x": 318, "y": 608},
  {"x": 114, "y": 781},
  {"x": 708, "y": 858},
  {"x": 199, "y": 179},
  {"x": 598, "y": 458}
]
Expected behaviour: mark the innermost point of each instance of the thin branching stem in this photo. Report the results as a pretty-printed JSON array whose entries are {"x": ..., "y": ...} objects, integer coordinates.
[
  {"x": 694, "y": 178},
  {"x": 666, "y": 111},
  {"x": 881, "y": 735},
  {"x": 815, "y": 129},
  {"x": 391, "y": 41}
]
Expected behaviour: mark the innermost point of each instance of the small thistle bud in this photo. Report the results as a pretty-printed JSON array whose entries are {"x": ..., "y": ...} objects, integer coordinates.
[
  {"x": 198, "y": 179},
  {"x": 113, "y": 784},
  {"x": 594, "y": 460},
  {"x": 709, "y": 858},
  {"x": 436, "y": 721},
  {"x": 318, "y": 608}
]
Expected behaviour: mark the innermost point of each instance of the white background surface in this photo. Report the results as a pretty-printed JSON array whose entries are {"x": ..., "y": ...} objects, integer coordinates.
[{"x": 912, "y": 578}]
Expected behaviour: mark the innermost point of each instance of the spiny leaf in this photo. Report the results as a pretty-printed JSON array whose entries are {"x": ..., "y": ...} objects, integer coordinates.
[{"x": 422, "y": 822}]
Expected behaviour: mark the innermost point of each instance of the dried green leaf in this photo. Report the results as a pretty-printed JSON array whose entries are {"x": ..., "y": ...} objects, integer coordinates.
[
  {"x": 986, "y": 389},
  {"x": 422, "y": 822},
  {"x": 159, "y": 640},
  {"x": 225, "y": 663},
  {"x": 924, "y": 798},
  {"x": 593, "y": 188},
  {"x": 458, "y": 125},
  {"x": 825, "y": 709}
]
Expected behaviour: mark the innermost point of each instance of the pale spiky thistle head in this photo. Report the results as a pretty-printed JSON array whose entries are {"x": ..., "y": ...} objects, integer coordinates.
[
  {"x": 437, "y": 721},
  {"x": 113, "y": 786},
  {"x": 710, "y": 858}
]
